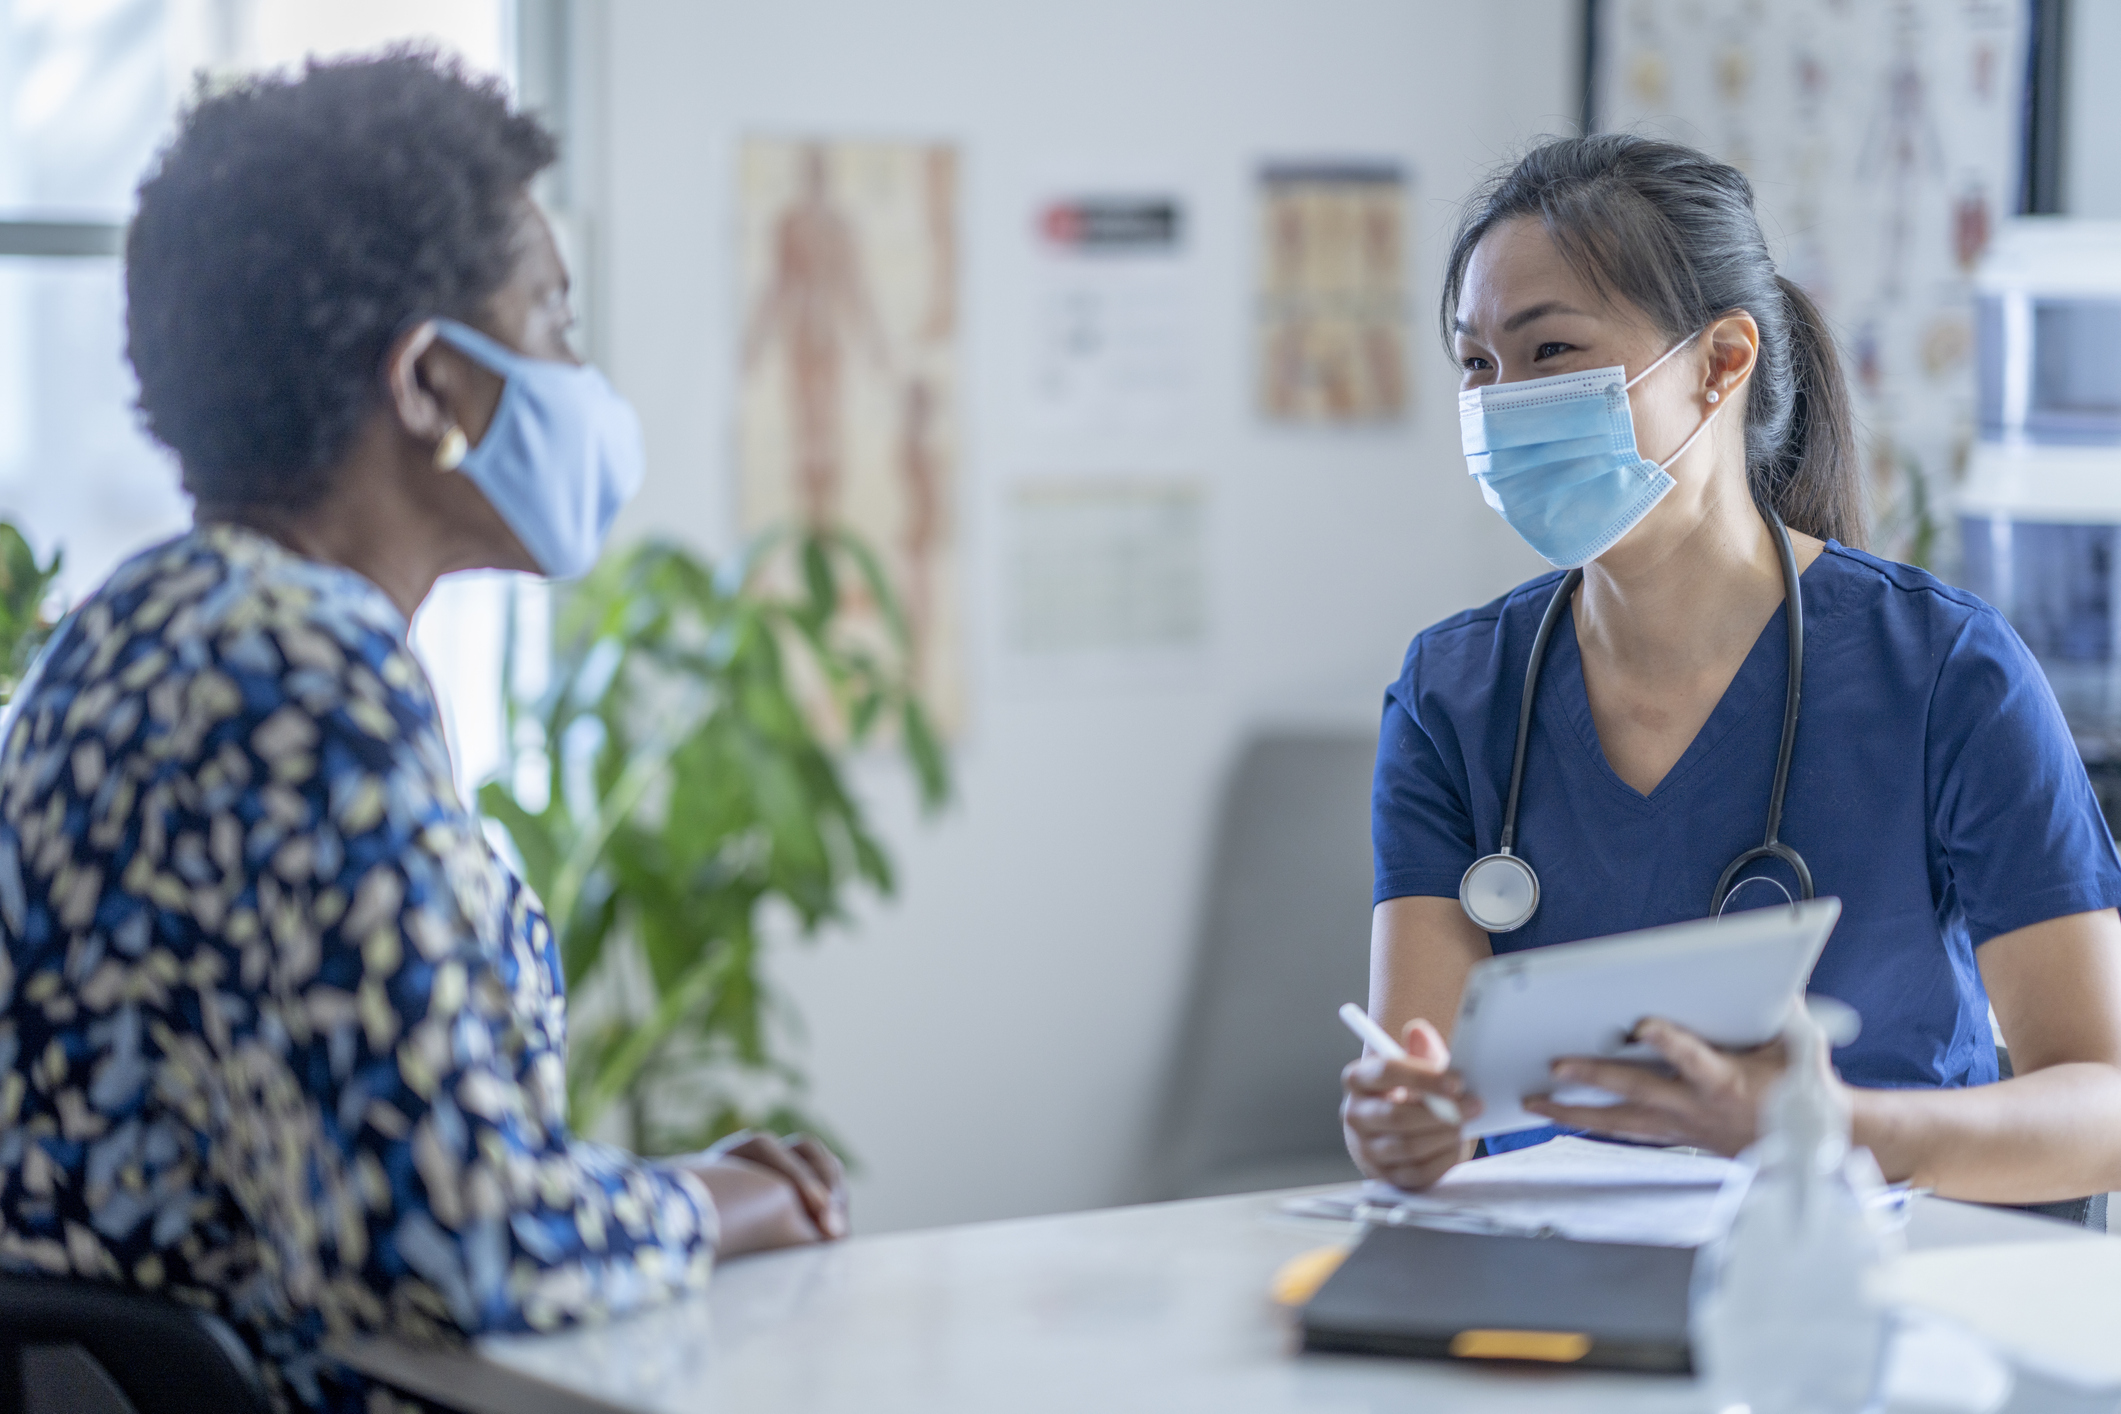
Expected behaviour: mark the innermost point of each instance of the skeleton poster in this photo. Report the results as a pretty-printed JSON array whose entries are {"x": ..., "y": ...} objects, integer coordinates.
[
  {"x": 1883, "y": 143},
  {"x": 847, "y": 405},
  {"x": 1332, "y": 299}
]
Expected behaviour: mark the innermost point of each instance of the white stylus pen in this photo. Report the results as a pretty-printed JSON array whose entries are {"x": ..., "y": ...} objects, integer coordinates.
[{"x": 1380, "y": 1041}]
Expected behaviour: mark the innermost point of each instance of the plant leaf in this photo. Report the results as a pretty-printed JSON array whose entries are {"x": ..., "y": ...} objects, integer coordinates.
[
  {"x": 872, "y": 572},
  {"x": 617, "y": 1071},
  {"x": 696, "y": 716},
  {"x": 817, "y": 576},
  {"x": 640, "y": 773},
  {"x": 927, "y": 756},
  {"x": 532, "y": 838}
]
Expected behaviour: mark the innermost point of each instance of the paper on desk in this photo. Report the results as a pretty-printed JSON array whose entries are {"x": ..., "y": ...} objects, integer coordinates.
[
  {"x": 2057, "y": 1304},
  {"x": 1934, "y": 1367},
  {"x": 1567, "y": 1187}
]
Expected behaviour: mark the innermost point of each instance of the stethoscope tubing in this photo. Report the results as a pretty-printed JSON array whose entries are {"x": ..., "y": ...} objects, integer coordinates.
[
  {"x": 1556, "y": 607},
  {"x": 1771, "y": 845}
]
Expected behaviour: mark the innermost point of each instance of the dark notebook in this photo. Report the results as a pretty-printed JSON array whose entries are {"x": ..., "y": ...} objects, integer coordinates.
[{"x": 1444, "y": 1295}]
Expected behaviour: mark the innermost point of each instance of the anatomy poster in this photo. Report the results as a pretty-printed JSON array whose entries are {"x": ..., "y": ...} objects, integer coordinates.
[
  {"x": 1332, "y": 323},
  {"x": 847, "y": 407},
  {"x": 1882, "y": 140}
]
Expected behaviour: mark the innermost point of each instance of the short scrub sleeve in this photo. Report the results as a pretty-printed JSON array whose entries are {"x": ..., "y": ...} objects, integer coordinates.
[
  {"x": 2018, "y": 828},
  {"x": 1421, "y": 833}
]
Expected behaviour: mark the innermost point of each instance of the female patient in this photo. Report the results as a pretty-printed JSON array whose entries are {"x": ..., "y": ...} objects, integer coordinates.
[{"x": 280, "y": 1033}]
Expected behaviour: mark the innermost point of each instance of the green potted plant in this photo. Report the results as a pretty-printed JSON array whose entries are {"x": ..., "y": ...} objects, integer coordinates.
[
  {"x": 680, "y": 775},
  {"x": 25, "y": 588}
]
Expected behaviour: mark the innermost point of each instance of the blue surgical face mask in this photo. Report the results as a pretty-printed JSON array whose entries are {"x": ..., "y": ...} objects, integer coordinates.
[
  {"x": 1556, "y": 458},
  {"x": 562, "y": 453}
]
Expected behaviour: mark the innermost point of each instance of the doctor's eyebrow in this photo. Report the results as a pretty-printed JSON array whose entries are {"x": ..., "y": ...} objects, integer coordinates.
[{"x": 1523, "y": 316}]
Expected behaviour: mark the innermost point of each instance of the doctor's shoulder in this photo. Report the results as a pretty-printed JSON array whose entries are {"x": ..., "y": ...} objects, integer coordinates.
[
  {"x": 1945, "y": 643},
  {"x": 1467, "y": 644},
  {"x": 1915, "y": 602}
]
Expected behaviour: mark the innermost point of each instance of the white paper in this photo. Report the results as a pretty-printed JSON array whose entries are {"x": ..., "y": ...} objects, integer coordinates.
[
  {"x": 1936, "y": 1367},
  {"x": 2055, "y": 1303},
  {"x": 1114, "y": 355},
  {"x": 1567, "y": 1187},
  {"x": 1108, "y": 565}
]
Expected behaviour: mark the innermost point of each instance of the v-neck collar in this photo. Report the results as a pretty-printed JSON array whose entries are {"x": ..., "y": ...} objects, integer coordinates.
[{"x": 1760, "y": 677}]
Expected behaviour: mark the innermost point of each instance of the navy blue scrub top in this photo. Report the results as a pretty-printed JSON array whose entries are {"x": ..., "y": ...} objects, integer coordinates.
[{"x": 1934, "y": 789}]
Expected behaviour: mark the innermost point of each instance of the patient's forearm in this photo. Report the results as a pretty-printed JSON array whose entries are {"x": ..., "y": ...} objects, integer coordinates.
[{"x": 2051, "y": 1135}]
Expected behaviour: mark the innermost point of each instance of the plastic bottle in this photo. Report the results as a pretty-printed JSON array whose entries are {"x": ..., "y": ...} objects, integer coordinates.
[{"x": 1783, "y": 1318}]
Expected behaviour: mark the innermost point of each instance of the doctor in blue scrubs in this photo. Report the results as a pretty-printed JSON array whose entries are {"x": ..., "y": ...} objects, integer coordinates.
[{"x": 1662, "y": 417}]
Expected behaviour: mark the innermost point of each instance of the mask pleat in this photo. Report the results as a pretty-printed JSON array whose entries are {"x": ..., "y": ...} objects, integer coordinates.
[{"x": 1557, "y": 459}]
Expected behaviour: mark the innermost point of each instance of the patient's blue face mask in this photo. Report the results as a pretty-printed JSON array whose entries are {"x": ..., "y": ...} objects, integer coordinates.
[
  {"x": 562, "y": 453},
  {"x": 1556, "y": 458}
]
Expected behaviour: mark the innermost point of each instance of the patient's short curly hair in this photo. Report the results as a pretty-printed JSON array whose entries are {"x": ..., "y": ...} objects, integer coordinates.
[{"x": 290, "y": 230}]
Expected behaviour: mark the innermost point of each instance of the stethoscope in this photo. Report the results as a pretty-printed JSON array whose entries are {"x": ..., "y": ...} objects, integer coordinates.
[{"x": 1501, "y": 893}]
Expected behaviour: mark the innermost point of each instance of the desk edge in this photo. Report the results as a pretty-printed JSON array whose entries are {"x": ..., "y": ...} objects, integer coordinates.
[{"x": 461, "y": 1379}]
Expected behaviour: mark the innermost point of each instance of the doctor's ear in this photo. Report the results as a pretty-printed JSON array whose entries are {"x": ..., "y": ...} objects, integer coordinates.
[{"x": 1732, "y": 345}]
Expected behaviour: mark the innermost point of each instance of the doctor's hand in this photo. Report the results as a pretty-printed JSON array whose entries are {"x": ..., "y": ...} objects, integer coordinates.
[
  {"x": 1391, "y": 1133},
  {"x": 1713, "y": 1102}
]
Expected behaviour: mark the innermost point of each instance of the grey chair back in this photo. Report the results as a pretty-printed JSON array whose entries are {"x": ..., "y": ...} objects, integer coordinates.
[
  {"x": 1253, "y": 1098},
  {"x": 84, "y": 1347}
]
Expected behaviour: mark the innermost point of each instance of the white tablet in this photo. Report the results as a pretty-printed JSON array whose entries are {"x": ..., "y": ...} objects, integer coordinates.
[{"x": 1729, "y": 980}]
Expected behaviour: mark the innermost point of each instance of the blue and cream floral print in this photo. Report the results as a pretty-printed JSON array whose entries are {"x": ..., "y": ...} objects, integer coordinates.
[{"x": 278, "y": 1033}]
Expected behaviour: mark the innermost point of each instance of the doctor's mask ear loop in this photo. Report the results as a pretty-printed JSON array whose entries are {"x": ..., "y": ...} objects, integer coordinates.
[{"x": 1714, "y": 398}]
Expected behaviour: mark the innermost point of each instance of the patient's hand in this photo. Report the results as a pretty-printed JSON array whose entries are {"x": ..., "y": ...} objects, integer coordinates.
[
  {"x": 771, "y": 1193},
  {"x": 1711, "y": 1101},
  {"x": 1391, "y": 1133}
]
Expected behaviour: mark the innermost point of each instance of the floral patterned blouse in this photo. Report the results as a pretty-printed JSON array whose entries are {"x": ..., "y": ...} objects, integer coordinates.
[{"x": 278, "y": 1033}]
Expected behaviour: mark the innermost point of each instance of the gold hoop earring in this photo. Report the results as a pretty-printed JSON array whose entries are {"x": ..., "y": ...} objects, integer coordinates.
[{"x": 452, "y": 449}]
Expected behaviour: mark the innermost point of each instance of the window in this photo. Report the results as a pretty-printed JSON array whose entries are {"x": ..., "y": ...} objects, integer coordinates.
[{"x": 87, "y": 91}]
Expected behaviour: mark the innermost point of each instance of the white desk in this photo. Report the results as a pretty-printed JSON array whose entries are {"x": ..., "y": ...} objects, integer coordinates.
[{"x": 1160, "y": 1308}]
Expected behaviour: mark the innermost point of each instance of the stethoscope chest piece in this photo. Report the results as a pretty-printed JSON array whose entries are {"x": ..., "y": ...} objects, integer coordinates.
[{"x": 1500, "y": 893}]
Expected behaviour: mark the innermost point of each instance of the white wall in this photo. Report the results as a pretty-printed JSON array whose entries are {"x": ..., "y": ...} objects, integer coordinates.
[
  {"x": 991, "y": 1043},
  {"x": 2091, "y": 159}
]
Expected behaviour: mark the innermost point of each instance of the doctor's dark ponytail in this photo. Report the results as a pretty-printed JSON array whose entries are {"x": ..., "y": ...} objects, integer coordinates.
[
  {"x": 1813, "y": 483},
  {"x": 1671, "y": 231}
]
